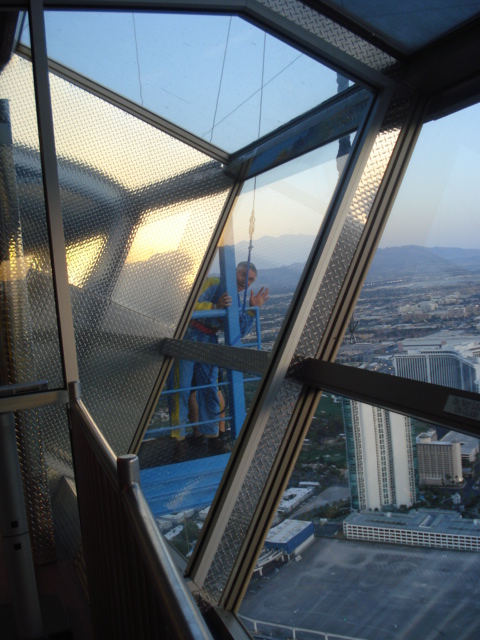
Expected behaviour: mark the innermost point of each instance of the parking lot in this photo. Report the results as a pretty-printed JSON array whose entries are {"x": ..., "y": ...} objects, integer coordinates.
[{"x": 372, "y": 592}]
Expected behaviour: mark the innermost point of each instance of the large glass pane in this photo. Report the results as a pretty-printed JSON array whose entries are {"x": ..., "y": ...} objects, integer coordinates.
[
  {"x": 27, "y": 306},
  {"x": 139, "y": 209},
  {"x": 219, "y": 77},
  {"x": 376, "y": 536},
  {"x": 203, "y": 406},
  {"x": 417, "y": 316}
]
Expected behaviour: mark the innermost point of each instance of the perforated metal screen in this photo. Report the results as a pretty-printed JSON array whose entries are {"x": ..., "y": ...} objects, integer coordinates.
[
  {"x": 139, "y": 210},
  {"x": 30, "y": 348}
]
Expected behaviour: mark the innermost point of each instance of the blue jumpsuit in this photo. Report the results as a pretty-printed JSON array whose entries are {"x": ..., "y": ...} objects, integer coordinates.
[{"x": 185, "y": 373}]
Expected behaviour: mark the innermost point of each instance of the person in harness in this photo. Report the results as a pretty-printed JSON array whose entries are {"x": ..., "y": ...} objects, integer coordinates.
[{"x": 187, "y": 373}]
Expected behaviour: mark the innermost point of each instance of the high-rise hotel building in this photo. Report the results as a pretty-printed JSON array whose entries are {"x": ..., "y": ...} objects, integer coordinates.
[
  {"x": 380, "y": 457},
  {"x": 438, "y": 366}
]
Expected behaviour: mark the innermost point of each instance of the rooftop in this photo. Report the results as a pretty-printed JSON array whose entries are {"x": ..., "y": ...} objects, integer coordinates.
[
  {"x": 469, "y": 443},
  {"x": 421, "y": 520}
]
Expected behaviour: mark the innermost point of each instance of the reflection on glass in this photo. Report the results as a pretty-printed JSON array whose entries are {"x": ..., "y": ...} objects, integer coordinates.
[
  {"x": 27, "y": 301},
  {"x": 139, "y": 209},
  {"x": 378, "y": 506},
  {"x": 203, "y": 407},
  {"x": 417, "y": 316},
  {"x": 219, "y": 77}
]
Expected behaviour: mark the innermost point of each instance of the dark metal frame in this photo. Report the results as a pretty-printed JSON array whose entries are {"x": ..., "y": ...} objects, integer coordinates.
[
  {"x": 423, "y": 400},
  {"x": 52, "y": 194},
  {"x": 409, "y": 397}
]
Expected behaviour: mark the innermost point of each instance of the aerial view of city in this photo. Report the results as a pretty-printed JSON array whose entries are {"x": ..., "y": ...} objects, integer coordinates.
[{"x": 368, "y": 480}]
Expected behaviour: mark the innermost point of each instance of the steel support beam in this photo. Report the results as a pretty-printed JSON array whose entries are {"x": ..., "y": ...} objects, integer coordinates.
[
  {"x": 52, "y": 193},
  {"x": 423, "y": 400},
  {"x": 270, "y": 388}
]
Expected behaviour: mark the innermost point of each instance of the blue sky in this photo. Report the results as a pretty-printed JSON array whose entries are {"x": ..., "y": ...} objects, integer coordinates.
[
  {"x": 194, "y": 70},
  {"x": 181, "y": 67},
  {"x": 439, "y": 200}
]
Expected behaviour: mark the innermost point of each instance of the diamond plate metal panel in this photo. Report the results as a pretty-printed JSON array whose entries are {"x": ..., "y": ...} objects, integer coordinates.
[
  {"x": 252, "y": 486},
  {"x": 251, "y": 490},
  {"x": 139, "y": 210},
  {"x": 353, "y": 227},
  {"x": 329, "y": 31}
]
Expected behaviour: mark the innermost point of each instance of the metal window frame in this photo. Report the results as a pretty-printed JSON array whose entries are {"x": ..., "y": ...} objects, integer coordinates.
[
  {"x": 423, "y": 400},
  {"x": 331, "y": 340},
  {"x": 287, "y": 341},
  {"x": 278, "y": 368},
  {"x": 52, "y": 193},
  {"x": 250, "y": 11},
  {"x": 33, "y": 400},
  {"x": 247, "y": 10}
]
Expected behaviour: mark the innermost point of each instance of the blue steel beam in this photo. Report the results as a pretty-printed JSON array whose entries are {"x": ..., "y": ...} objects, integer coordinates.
[{"x": 228, "y": 268}]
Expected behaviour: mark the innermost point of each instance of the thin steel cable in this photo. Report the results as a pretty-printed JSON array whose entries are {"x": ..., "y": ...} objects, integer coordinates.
[
  {"x": 251, "y": 229},
  {"x": 255, "y": 92},
  {"x": 262, "y": 86},
  {"x": 138, "y": 60},
  {"x": 221, "y": 78}
]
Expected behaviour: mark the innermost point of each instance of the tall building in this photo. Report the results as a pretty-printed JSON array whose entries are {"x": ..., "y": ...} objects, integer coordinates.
[
  {"x": 438, "y": 462},
  {"x": 438, "y": 365},
  {"x": 380, "y": 457}
]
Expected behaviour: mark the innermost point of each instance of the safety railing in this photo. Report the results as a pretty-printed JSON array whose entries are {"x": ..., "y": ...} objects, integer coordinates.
[
  {"x": 135, "y": 589},
  {"x": 231, "y": 389}
]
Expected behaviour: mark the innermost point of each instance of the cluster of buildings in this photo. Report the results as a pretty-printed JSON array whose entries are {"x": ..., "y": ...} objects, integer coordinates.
[
  {"x": 446, "y": 357},
  {"x": 386, "y": 462},
  {"x": 444, "y": 461}
]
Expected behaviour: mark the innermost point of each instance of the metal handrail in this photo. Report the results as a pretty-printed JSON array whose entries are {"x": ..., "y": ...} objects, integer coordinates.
[
  {"x": 257, "y": 345},
  {"x": 185, "y": 618},
  {"x": 125, "y": 553}
]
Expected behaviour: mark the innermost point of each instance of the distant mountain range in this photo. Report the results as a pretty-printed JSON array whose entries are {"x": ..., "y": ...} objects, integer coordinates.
[
  {"x": 280, "y": 261},
  {"x": 412, "y": 261},
  {"x": 269, "y": 252}
]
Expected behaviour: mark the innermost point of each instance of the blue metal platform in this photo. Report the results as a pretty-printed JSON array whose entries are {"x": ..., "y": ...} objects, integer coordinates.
[{"x": 184, "y": 485}]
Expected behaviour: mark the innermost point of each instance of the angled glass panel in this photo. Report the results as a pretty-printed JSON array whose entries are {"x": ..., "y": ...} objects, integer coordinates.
[
  {"x": 203, "y": 406},
  {"x": 417, "y": 316},
  {"x": 28, "y": 313},
  {"x": 377, "y": 508},
  {"x": 139, "y": 209},
  {"x": 219, "y": 77}
]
